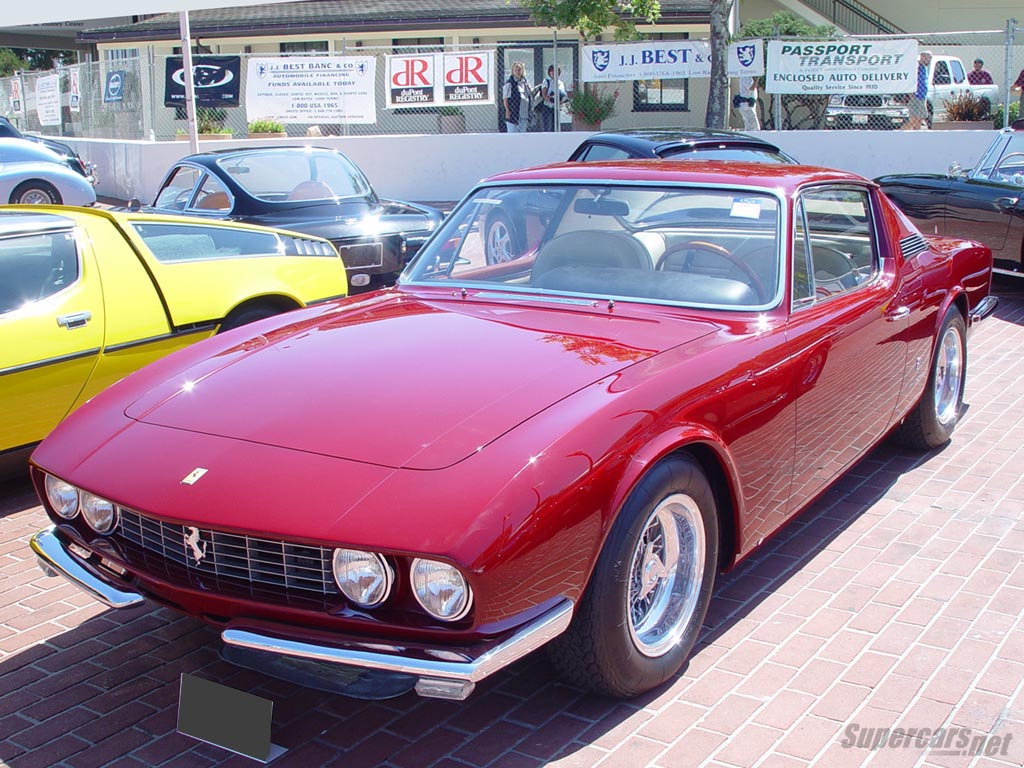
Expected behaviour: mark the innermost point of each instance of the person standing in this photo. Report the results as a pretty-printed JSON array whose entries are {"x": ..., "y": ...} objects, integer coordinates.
[
  {"x": 1018, "y": 87},
  {"x": 745, "y": 103},
  {"x": 979, "y": 75},
  {"x": 918, "y": 107},
  {"x": 552, "y": 89},
  {"x": 516, "y": 96}
]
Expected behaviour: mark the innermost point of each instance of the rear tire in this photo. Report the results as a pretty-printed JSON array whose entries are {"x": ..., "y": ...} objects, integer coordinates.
[
  {"x": 244, "y": 316},
  {"x": 642, "y": 611},
  {"x": 35, "y": 192},
  {"x": 934, "y": 418}
]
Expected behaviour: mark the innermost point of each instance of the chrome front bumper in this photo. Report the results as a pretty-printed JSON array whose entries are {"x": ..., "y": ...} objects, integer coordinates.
[
  {"x": 440, "y": 672},
  {"x": 57, "y": 560}
]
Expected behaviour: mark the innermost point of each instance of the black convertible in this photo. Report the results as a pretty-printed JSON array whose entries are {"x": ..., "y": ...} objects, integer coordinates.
[
  {"x": 985, "y": 203},
  {"x": 306, "y": 189}
]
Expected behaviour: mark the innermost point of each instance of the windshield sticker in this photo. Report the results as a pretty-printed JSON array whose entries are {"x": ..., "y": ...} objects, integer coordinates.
[{"x": 746, "y": 209}]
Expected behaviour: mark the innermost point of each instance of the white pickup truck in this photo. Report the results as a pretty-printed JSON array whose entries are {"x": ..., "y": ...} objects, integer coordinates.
[{"x": 947, "y": 78}]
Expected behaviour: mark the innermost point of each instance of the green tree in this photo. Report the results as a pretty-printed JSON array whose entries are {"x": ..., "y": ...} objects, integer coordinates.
[
  {"x": 44, "y": 58},
  {"x": 10, "y": 62},
  {"x": 798, "y": 110},
  {"x": 591, "y": 18},
  {"x": 717, "y": 112}
]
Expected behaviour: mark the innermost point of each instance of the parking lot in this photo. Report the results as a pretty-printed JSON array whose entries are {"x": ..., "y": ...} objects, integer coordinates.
[{"x": 895, "y": 601}]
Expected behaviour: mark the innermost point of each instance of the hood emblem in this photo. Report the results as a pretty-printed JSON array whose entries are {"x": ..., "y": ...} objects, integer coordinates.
[
  {"x": 192, "y": 477},
  {"x": 191, "y": 538}
]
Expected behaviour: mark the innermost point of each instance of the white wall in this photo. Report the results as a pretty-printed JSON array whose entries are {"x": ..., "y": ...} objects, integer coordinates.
[{"x": 444, "y": 167}]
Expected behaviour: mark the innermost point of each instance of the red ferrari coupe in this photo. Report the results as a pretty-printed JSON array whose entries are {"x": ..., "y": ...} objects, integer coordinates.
[{"x": 560, "y": 448}]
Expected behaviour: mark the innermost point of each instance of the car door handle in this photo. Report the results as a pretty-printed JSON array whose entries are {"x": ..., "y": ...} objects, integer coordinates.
[
  {"x": 74, "y": 320},
  {"x": 1006, "y": 203},
  {"x": 900, "y": 313}
]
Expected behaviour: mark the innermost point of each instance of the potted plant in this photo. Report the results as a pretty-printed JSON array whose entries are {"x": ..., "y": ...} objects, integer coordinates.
[
  {"x": 589, "y": 106},
  {"x": 450, "y": 119},
  {"x": 209, "y": 124},
  {"x": 965, "y": 111},
  {"x": 266, "y": 129}
]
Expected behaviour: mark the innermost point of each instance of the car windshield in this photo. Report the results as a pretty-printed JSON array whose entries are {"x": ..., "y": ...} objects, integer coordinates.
[
  {"x": 1003, "y": 161},
  {"x": 744, "y": 154},
  {"x": 295, "y": 174},
  {"x": 656, "y": 244}
]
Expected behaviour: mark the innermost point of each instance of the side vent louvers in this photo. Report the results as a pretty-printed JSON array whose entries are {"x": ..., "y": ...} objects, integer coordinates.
[{"x": 911, "y": 245}]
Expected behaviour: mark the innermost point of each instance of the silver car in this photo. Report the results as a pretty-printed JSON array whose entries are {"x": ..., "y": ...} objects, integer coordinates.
[{"x": 30, "y": 173}]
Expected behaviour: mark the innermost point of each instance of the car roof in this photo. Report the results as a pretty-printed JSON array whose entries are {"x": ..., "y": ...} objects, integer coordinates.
[
  {"x": 17, "y": 222},
  {"x": 216, "y": 154},
  {"x": 770, "y": 176},
  {"x": 658, "y": 139}
]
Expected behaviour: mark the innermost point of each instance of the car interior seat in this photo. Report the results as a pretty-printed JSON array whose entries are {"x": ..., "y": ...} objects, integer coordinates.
[
  {"x": 311, "y": 190},
  {"x": 589, "y": 248}
]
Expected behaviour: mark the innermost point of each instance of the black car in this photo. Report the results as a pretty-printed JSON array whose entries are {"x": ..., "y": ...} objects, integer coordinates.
[
  {"x": 312, "y": 190},
  {"x": 678, "y": 144},
  {"x": 985, "y": 203},
  {"x": 9, "y": 130}
]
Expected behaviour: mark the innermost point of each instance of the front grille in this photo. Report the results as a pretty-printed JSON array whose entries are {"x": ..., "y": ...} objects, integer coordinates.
[
  {"x": 228, "y": 562},
  {"x": 863, "y": 100},
  {"x": 361, "y": 255}
]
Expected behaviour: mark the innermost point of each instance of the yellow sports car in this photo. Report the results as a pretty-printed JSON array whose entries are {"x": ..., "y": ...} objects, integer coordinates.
[{"x": 88, "y": 296}]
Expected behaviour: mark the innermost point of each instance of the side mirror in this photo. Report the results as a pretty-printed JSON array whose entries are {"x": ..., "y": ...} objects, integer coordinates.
[
  {"x": 955, "y": 169},
  {"x": 135, "y": 205}
]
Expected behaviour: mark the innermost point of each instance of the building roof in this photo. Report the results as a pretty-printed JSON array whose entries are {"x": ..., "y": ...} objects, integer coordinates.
[{"x": 351, "y": 17}]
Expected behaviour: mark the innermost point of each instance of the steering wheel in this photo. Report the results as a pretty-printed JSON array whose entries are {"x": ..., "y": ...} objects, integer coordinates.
[
  {"x": 714, "y": 248},
  {"x": 182, "y": 197},
  {"x": 1012, "y": 175}
]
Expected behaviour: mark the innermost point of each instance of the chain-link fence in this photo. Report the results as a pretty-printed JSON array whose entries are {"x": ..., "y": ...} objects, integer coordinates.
[
  {"x": 957, "y": 90},
  {"x": 137, "y": 109}
]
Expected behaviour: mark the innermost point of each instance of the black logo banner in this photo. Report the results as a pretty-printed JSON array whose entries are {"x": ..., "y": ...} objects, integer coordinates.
[{"x": 216, "y": 79}]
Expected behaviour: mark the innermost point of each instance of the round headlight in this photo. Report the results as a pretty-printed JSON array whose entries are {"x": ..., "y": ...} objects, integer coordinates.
[
  {"x": 98, "y": 513},
  {"x": 365, "y": 578},
  {"x": 63, "y": 497},
  {"x": 441, "y": 589}
]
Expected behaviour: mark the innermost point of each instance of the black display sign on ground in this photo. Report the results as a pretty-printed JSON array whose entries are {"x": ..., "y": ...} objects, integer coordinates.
[
  {"x": 216, "y": 80},
  {"x": 234, "y": 720}
]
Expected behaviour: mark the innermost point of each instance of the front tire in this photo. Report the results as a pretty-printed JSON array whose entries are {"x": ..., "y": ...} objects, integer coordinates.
[
  {"x": 642, "y": 611},
  {"x": 35, "y": 193},
  {"x": 933, "y": 419}
]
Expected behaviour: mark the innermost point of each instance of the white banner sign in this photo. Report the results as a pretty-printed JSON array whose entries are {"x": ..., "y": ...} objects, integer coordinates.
[
  {"x": 433, "y": 79},
  {"x": 666, "y": 58},
  {"x": 842, "y": 66},
  {"x": 48, "y": 100},
  {"x": 312, "y": 89}
]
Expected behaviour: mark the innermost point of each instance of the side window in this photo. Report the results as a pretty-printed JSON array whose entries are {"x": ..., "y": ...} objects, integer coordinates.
[
  {"x": 213, "y": 195},
  {"x": 178, "y": 189},
  {"x": 603, "y": 152},
  {"x": 840, "y": 237},
  {"x": 803, "y": 287},
  {"x": 958, "y": 72},
  {"x": 941, "y": 75},
  {"x": 34, "y": 267}
]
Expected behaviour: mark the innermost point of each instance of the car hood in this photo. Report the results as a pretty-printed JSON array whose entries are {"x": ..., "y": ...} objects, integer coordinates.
[{"x": 403, "y": 382}]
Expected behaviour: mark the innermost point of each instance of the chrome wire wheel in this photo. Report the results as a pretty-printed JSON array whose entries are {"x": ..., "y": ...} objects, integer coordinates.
[
  {"x": 35, "y": 196},
  {"x": 499, "y": 241},
  {"x": 949, "y": 375},
  {"x": 665, "y": 575}
]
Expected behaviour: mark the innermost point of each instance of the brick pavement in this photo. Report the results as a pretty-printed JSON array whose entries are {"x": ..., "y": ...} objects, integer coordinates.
[{"x": 896, "y": 600}]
